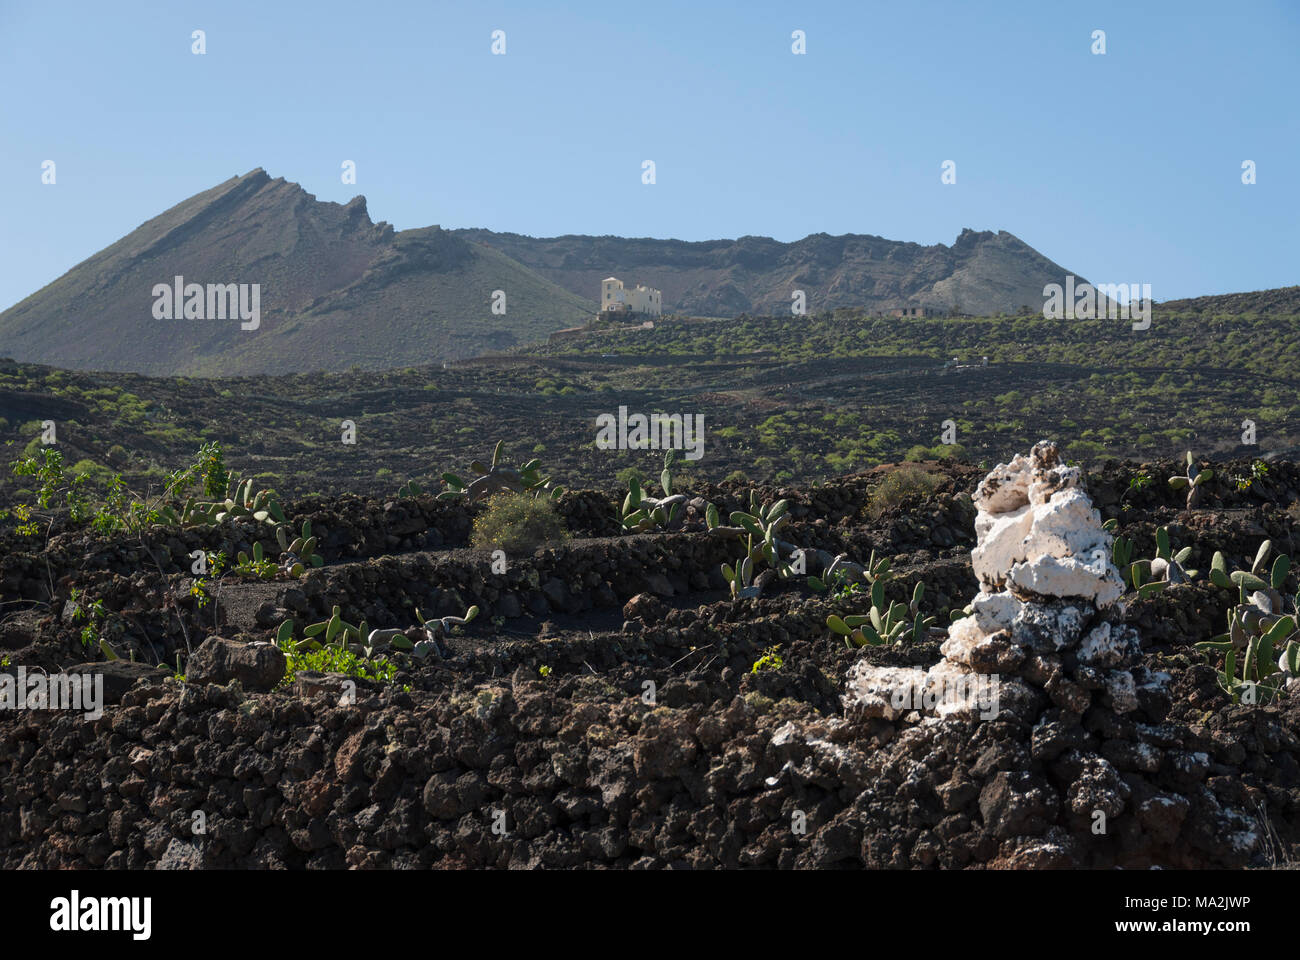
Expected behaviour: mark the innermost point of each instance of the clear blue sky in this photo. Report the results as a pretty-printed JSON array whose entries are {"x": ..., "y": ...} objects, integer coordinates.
[{"x": 1124, "y": 167}]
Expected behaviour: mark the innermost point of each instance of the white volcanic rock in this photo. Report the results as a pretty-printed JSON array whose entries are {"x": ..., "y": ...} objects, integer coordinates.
[
  {"x": 871, "y": 691},
  {"x": 1000, "y": 544},
  {"x": 1107, "y": 646},
  {"x": 954, "y": 691},
  {"x": 995, "y": 611},
  {"x": 1038, "y": 533},
  {"x": 964, "y": 636},
  {"x": 1093, "y": 577},
  {"x": 1043, "y": 563}
]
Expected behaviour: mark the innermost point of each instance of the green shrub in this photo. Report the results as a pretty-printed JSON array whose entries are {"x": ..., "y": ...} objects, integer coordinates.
[
  {"x": 901, "y": 483},
  {"x": 517, "y": 524},
  {"x": 1085, "y": 450},
  {"x": 333, "y": 659},
  {"x": 939, "y": 451},
  {"x": 91, "y": 469},
  {"x": 627, "y": 475}
]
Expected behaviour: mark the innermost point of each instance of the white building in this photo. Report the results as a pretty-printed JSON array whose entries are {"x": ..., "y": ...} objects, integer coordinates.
[{"x": 615, "y": 298}]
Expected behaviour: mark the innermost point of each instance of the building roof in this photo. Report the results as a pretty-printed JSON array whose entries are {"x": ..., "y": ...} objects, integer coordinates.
[{"x": 607, "y": 279}]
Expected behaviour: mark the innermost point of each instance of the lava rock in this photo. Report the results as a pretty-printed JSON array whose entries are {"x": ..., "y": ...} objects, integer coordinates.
[
  {"x": 1017, "y": 803},
  {"x": 120, "y": 676},
  {"x": 645, "y": 607},
  {"x": 257, "y": 666}
]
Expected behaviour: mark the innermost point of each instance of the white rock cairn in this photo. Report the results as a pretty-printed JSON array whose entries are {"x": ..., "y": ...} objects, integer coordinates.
[{"x": 1045, "y": 620}]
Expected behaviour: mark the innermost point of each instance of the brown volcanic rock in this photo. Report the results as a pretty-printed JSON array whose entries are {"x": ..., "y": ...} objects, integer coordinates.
[{"x": 257, "y": 666}]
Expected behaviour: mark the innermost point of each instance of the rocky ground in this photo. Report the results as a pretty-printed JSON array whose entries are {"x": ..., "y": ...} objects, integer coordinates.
[{"x": 604, "y": 709}]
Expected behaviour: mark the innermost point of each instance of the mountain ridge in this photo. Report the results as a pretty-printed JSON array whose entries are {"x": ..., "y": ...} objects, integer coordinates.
[
  {"x": 981, "y": 272},
  {"x": 314, "y": 260},
  {"x": 338, "y": 289}
]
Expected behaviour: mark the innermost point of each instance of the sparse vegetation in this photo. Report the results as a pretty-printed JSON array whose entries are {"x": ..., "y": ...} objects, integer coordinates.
[
  {"x": 517, "y": 524},
  {"x": 497, "y": 477},
  {"x": 642, "y": 512},
  {"x": 1193, "y": 480},
  {"x": 335, "y": 659},
  {"x": 770, "y": 660},
  {"x": 899, "y": 484},
  {"x": 884, "y": 623}
]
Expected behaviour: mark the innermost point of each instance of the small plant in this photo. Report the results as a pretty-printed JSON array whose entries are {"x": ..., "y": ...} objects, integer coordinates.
[
  {"x": 770, "y": 660},
  {"x": 300, "y": 552},
  {"x": 211, "y": 469},
  {"x": 199, "y": 588},
  {"x": 334, "y": 659},
  {"x": 899, "y": 484},
  {"x": 1258, "y": 470},
  {"x": 27, "y": 527},
  {"x": 334, "y": 645},
  {"x": 756, "y": 529},
  {"x": 410, "y": 489},
  {"x": 1193, "y": 481},
  {"x": 1149, "y": 577},
  {"x": 1136, "y": 484},
  {"x": 435, "y": 631},
  {"x": 335, "y": 630},
  {"x": 517, "y": 524},
  {"x": 544, "y": 671},
  {"x": 256, "y": 566},
  {"x": 46, "y": 466},
  {"x": 642, "y": 512},
  {"x": 885, "y": 623},
  {"x": 111, "y": 516},
  {"x": 838, "y": 585},
  {"x": 500, "y": 478},
  {"x": 1258, "y": 627},
  {"x": 90, "y": 615}
]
